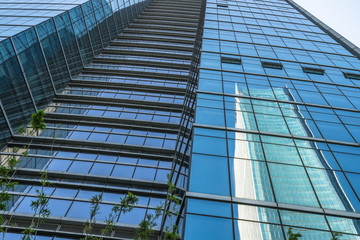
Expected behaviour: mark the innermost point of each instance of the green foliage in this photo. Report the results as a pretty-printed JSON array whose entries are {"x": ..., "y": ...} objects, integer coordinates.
[
  {"x": 40, "y": 206},
  {"x": 12, "y": 162},
  {"x": 292, "y": 235},
  {"x": 7, "y": 171},
  {"x": 126, "y": 205},
  {"x": 172, "y": 234},
  {"x": 145, "y": 228},
  {"x": 2, "y": 220},
  {"x": 95, "y": 202},
  {"x": 44, "y": 179},
  {"x": 94, "y": 210},
  {"x": 336, "y": 236},
  {"x": 172, "y": 197},
  {"x": 28, "y": 233},
  {"x": 7, "y": 184},
  {"x": 4, "y": 199},
  {"x": 37, "y": 120},
  {"x": 21, "y": 130}
]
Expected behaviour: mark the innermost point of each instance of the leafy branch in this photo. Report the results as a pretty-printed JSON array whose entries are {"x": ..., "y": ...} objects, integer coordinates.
[
  {"x": 336, "y": 236},
  {"x": 40, "y": 206},
  {"x": 292, "y": 235},
  {"x": 172, "y": 233},
  {"x": 126, "y": 205},
  {"x": 145, "y": 228},
  {"x": 8, "y": 172},
  {"x": 94, "y": 210},
  {"x": 7, "y": 184}
]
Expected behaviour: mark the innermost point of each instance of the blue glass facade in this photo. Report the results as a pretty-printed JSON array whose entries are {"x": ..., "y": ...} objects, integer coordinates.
[
  {"x": 276, "y": 133},
  {"x": 45, "y": 44},
  {"x": 251, "y": 107},
  {"x": 112, "y": 80}
]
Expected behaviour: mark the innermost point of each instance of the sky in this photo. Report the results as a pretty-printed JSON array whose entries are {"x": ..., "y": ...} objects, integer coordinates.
[{"x": 341, "y": 15}]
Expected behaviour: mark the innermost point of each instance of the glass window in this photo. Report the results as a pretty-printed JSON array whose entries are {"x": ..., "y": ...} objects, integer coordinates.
[
  {"x": 59, "y": 165},
  {"x": 123, "y": 171},
  {"x": 80, "y": 167},
  {"x": 58, "y": 207},
  {"x": 209, "y": 145},
  {"x": 133, "y": 217},
  {"x": 252, "y": 213},
  {"x": 79, "y": 210},
  {"x": 145, "y": 173},
  {"x": 219, "y": 209},
  {"x": 101, "y": 169},
  {"x": 291, "y": 185},
  {"x": 210, "y": 116},
  {"x": 209, "y": 174},
  {"x": 300, "y": 219},
  {"x": 334, "y": 131},
  {"x": 250, "y": 179},
  {"x": 256, "y": 230},
  {"x": 210, "y": 228}
]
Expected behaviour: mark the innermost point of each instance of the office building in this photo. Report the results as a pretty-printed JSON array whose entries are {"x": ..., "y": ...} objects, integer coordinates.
[{"x": 251, "y": 106}]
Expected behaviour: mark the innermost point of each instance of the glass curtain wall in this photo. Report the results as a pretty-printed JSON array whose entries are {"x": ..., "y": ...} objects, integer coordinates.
[
  {"x": 277, "y": 130},
  {"x": 45, "y": 44}
]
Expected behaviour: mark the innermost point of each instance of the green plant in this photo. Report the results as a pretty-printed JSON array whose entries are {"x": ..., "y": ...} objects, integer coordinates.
[
  {"x": 336, "y": 236},
  {"x": 94, "y": 210},
  {"x": 6, "y": 184},
  {"x": 172, "y": 233},
  {"x": 292, "y": 235},
  {"x": 37, "y": 120},
  {"x": 145, "y": 228},
  {"x": 126, "y": 205},
  {"x": 40, "y": 206},
  {"x": 8, "y": 171}
]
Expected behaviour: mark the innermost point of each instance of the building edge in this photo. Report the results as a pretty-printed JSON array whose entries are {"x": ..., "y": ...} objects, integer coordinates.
[{"x": 352, "y": 48}]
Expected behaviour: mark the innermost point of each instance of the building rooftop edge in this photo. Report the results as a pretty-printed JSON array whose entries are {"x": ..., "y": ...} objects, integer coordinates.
[{"x": 338, "y": 37}]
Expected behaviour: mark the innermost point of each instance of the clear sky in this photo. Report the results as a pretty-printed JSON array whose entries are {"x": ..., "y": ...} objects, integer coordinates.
[{"x": 341, "y": 15}]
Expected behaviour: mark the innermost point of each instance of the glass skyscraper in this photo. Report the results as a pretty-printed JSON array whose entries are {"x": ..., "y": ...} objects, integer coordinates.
[
  {"x": 276, "y": 133},
  {"x": 252, "y": 108}
]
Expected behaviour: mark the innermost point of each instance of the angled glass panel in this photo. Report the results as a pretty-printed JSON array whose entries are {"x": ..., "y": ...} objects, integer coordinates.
[{"x": 34, "y": 66}]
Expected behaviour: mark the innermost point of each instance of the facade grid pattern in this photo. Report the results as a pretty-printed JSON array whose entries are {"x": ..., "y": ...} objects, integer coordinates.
[
  {"x": 251, "y": 107},
  {"x": 113, "y": 128},
  {"x": 276, "y": 132}
]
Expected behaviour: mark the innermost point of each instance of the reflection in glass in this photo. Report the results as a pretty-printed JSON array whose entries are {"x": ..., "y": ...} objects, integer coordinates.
[
  {"x": 291, "y": 184},
  {"x": 256, "y": 230}
]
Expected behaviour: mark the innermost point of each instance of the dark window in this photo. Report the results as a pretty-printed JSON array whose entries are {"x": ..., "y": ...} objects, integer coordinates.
[
  {"x": 311, "y": 70},
  {"x": 273, "y": 65},
  {"x": 222, "y": 5},
  {"x": 352, "y": 75},
  {"x": 231, "y": 60}
]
